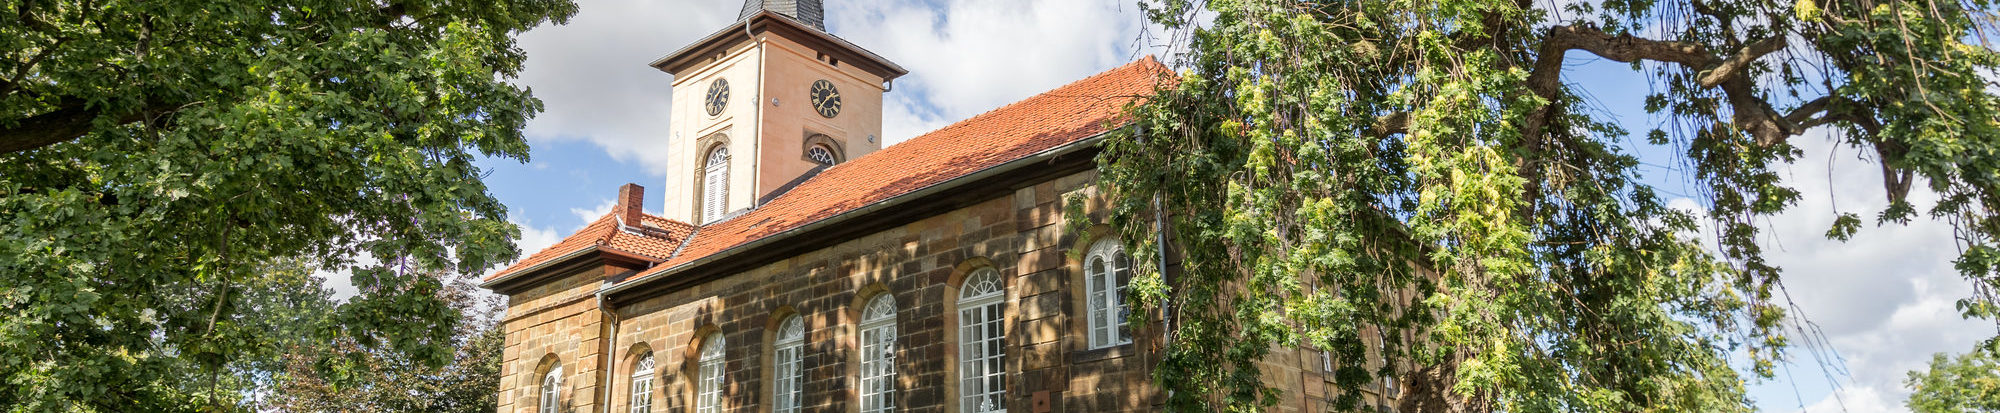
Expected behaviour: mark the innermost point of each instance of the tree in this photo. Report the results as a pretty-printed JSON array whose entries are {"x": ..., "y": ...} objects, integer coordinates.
[
  {"x": 155, "y": 155},
  {"x": 337, "y": 375},
  {"x": 1417, "y": 179},
  {"x": 1968, "y": 383}
]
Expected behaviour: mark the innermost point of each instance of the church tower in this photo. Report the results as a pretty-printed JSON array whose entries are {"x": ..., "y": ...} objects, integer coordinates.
[{"x": 766, "y": 103}]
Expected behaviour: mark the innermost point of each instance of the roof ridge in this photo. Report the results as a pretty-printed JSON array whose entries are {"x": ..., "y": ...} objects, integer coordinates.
[
  {"x": 1142, "y": 62},
  {"x": 1048, "y": 93}
]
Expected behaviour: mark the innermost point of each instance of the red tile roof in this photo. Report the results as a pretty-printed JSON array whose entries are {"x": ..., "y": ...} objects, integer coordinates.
[
  {"x": 1055, "y": 118},
  {"x": 656, "y": 244},
  {"x": 1049, "y": 120}
]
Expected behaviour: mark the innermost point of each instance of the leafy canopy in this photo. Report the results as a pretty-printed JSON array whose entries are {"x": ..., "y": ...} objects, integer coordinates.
[
  {"x": 154, "y": 155},
  {"x": 1967, "y": 383},
  {"x": 1416, "y": 180}
]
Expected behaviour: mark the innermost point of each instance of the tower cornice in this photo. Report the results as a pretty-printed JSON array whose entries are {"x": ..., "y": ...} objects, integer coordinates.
[{"x": 764, "y": 21}]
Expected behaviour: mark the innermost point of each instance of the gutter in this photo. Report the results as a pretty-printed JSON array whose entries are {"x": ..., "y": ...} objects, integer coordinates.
[
  {"x": 650, "y": 261},
  {"x": 1038, "y": 157}
]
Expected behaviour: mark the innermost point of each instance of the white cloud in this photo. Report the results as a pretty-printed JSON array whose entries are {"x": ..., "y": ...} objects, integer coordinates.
[
  {"x": 970, "y": 56},
  {"x": 590, "y": 215},
  {"x": 1883, "y": 300},
  {"x": 532, "y": 240},
  {"x": 965, "y": 57},
  {"x": 593, "y": 79}
]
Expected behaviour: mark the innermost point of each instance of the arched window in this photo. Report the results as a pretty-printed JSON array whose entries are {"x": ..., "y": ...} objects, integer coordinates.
[
  {"x": 708, "y": 391},
  {"x": 821, "y": 154},
  {"x": 982, "y": 367},
  {"x": 1108, "y": 270},
  {"x": 878, "y": 355},
  {"x": 715, "y": 185},
  {"x": 787, "y": 351},
  {"x": 642, "y": 384},
  {"x": 551, "y": 391}
]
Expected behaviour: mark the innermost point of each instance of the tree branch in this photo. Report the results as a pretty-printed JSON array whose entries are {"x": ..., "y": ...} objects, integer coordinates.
[
  {"x": 1750, "y": 112},
  {"x": 1391, "y": 124},
  {"x": 47, "y": 129},
  {"x": 1733, "y": 67},
  {"x": 65, "y": 123}
]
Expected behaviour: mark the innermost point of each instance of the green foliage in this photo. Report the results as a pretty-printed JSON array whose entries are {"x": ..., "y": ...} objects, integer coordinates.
[
  {"x": 1415, "y": 179},
  {"x": 337, "y": 374},
  {"x": 154, "y": 156},
  {"x": 1968, "y": 383}
]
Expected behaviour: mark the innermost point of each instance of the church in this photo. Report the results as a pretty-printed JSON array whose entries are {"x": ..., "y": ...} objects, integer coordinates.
[{"x": 801, "y": 266}]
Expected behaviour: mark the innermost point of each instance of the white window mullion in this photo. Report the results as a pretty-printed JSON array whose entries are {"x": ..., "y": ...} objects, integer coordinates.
[
  {"x": 788, "y": 350},
  {"x": 551, "y": 391},
  {"x": 878, "y": 356},
  {"x": 708, "y": 390},
  {"x": 982, "y": 340},
  {"x": 642, "y": 385},
  {"x": 1108, "y": 271}
]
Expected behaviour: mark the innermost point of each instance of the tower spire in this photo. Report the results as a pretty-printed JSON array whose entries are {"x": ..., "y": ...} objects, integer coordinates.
[{"x": 809, "y": 12}]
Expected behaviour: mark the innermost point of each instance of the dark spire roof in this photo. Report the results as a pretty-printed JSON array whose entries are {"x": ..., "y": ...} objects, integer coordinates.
[{"x": 809, "y": 12}]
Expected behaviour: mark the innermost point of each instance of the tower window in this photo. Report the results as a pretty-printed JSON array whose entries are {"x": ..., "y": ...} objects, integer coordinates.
[
  {"x": 821, "y": 155},
  {"x": 715, "y": 185}
]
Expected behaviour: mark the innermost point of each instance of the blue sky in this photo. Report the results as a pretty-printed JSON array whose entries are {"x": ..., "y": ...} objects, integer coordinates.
[{"x": 1882, "y": 301}]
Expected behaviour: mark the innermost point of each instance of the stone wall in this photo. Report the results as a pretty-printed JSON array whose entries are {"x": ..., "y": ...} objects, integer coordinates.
[
  {"x": 556, "y": 323},
  {"x": 920, "y": 264}
]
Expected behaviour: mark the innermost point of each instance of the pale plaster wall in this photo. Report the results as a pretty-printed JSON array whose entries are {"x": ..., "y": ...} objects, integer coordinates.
[{"x": 768, "y": 118}]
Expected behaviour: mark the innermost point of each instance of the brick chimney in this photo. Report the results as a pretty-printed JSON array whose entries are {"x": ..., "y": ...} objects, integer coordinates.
[{"x": 631, "y": 204}]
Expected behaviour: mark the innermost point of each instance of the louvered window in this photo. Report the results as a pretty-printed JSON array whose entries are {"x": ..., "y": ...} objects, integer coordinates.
[{"x": 715, "y": 185}]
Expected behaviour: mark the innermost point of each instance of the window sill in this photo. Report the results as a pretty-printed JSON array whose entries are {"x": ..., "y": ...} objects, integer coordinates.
[{"x": 1106, "y": 353}]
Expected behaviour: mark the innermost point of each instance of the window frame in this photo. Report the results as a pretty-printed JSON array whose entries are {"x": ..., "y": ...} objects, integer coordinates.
[
  {"x": 878, "y": 355},
  {"x": 550, "y": 400},
  {"x": 643, "y": 372},
  {"x": 831, "y": 156},
  {"x": 788, "y": 365},
  {"x": 710, "y": 374},
  {"x": 715, "y": 184},
  {"x": 983, "y": 294},
  {"x": 1106, "y": 305}
]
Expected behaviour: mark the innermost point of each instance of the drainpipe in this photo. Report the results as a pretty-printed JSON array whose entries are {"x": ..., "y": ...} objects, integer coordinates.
[
  {"x": 610, "y": 354},
  {"x": 1160, "y": 243}
]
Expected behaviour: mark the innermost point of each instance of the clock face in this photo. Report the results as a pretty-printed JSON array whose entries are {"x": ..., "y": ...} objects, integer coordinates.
[
  {"x": 825, "y": 98},
  {"x": 718, "y": 96}
]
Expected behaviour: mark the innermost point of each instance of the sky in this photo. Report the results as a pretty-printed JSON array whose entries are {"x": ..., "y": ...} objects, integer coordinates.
[{"x": 1882, "y": 302}]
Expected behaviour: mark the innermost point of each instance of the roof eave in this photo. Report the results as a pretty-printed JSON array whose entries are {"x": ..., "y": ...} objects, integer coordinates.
[
  {"x": 489, "y": 284},
  {"x": 741, "y": 29}
]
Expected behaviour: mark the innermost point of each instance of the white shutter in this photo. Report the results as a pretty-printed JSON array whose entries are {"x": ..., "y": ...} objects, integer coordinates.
[{"x": 715, "y": 186}]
